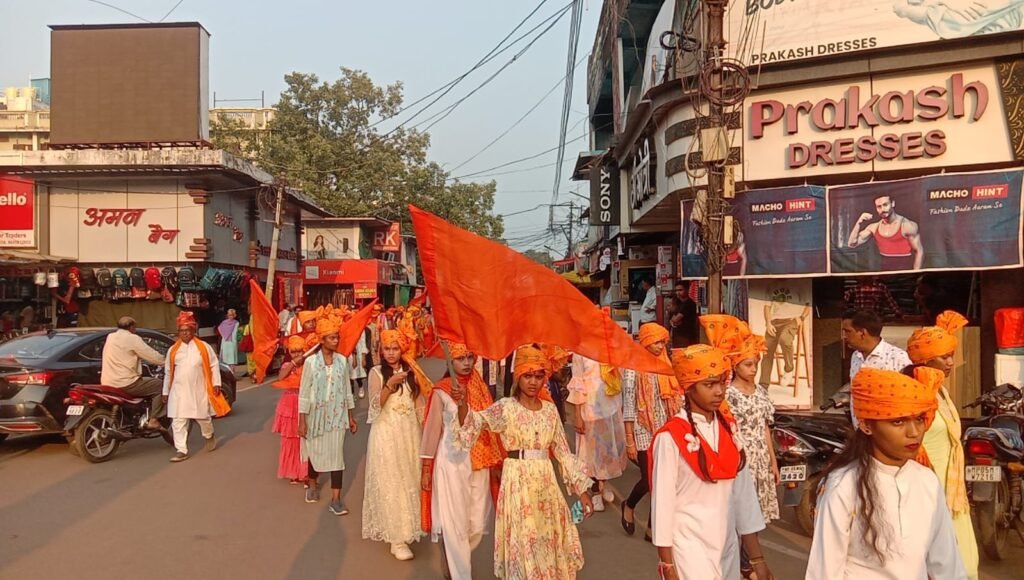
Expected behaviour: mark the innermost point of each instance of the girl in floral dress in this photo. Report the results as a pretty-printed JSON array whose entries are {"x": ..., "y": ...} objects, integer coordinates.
[{"x": 535, "y": 538}]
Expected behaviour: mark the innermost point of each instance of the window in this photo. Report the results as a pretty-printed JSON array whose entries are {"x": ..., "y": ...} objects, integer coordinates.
[
  {"x": 159, "y": 344},
  {"x": 93, "y": 350},
  {"x": 36, "y": 346}
]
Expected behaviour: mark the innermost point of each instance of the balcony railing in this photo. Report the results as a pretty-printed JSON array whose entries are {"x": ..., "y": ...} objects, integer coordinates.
[
  {"x": 24, "y": 120},
  {"x": 252, "y": 119}
]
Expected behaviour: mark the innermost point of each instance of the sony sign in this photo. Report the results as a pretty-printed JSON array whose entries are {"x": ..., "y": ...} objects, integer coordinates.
[{"x": 604, "y": 195}]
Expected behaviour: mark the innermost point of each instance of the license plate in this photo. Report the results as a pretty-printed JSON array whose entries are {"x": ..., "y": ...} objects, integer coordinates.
[
  {"x": 74, "y": 410},
  {"x": 792, "y": 473},
  {"x": 986, "y": 473}
]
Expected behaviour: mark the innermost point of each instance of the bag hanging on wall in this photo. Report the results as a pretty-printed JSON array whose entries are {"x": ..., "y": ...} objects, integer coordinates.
[
  {"x": 52, "y": 279},
  {"x": 170, "y": 277},
  {"x": 104, "y": 278},
  {"x": 40, "y": 278},
  {"x": 88, "y": 278},
  {"x": 187, "y": 278}
]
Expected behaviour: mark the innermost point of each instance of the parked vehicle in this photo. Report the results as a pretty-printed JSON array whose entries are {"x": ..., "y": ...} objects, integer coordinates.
[
  {"x": 804, "y": 444},
  {"x": 37, "y": 370},
  {"x": 994, "y": 449},
  {"x": 100, "y": 418}
]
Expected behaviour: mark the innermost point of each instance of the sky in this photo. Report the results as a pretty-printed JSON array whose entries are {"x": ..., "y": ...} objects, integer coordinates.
[{"x": 424, "y": 45}]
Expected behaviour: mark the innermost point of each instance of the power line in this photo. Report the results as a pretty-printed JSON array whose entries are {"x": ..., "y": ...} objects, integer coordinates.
[
  {"x": 173, "y": 8},
  {"x": 574, "y": 38},
  {"x": 507, "y": 163},
  {"x": 493, "y": 53},
  {"x": 520, "y": 120},
  {"x": 119, "y": 9}
]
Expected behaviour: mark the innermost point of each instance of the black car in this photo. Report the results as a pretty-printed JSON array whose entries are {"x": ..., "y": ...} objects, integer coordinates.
[{"x": 37, "y": 369}]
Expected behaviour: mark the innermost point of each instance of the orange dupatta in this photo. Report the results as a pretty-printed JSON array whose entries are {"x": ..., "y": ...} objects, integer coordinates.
[{"x": 217, "y": 401}]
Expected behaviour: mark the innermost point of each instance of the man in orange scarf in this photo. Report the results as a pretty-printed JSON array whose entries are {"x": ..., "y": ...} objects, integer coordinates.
[
  {"x": 192, "y": 387},
  {"x": 457, "y": 499}
]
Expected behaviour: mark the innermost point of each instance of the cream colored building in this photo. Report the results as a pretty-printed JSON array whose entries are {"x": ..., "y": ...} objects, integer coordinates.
[{"x": 24, "y": 120}]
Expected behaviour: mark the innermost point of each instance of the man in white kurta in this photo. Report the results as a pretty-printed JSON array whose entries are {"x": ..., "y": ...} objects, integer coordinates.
[{"x": 186, "y": 390}]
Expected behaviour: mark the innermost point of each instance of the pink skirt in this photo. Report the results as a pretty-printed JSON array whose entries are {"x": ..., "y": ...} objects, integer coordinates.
[{"x": 286, "y": 422}]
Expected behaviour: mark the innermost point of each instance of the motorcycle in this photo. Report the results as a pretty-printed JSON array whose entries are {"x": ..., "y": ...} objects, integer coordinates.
[
  {"x": 994, "y": 449},
  {"x": 101, "y": 418},
  {"x": 804, "y": 445}
]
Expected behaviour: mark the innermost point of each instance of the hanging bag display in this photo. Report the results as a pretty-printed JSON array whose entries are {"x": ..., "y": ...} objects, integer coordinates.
[
  {"x": 52, "y": 279},
  {"x": 40, "y": 278}
]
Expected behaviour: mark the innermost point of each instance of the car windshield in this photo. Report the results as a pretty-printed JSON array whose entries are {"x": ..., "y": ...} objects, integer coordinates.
[{"x": 36, "y": 346}]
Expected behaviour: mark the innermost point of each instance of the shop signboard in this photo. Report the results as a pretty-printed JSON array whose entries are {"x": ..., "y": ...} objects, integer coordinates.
[
  {"x": 17, "y": 213},
  {"x": 780, "y": 231},
  {"x": 788, "y": 30},
  {"x": 940, "y": 222},
  {"x": 938, "y": 118},
  {"x": 642, "y": 178},
  {"x": 341, "y": 271},
  {"x": 604, "y": 195},
  {"x": 780, "y": 311},
  {"x": 365, "y": 290},
  {"x": 387, "y": 239}
]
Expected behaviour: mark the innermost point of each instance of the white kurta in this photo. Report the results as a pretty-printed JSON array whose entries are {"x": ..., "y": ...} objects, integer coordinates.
[
  {"x": 744, "y": 518},
  {"x": 923, "y": 544},
  {"x": 355, "y": 360},
  {"x": 686, "y": 512},
  {"x": 461, "y": 504},
  {"x": 187, "y": 397}
]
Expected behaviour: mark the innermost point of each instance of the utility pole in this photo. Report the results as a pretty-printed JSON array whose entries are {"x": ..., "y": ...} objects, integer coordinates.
[
  {"x": 714, "y": 140},
  {"x": 275, "y": 241}
]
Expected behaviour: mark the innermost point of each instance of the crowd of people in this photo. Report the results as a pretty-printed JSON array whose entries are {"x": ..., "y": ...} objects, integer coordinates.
[{"x": 454, "y": 460}]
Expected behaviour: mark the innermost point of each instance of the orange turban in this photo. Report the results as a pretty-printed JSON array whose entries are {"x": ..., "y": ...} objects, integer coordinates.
[
  {"x": 934, "y": 341},
  {"x": 752, "y": 348},
  {"x": 458, "y": 350},
  {"x": 186, "y": 319},
  {"x": 651, "y": 333},
  {"x": 326, "y": 327},
  {"x": 307, "y": 315},
  {"x": 879, "y": 394},
  {"x": 394, "y": 337},
  {"x": 556, "y": 355},
  {"x": 530, "y": 359},
  {"x": 697, "y": 362},
  {"x": 295, "y": 342}
]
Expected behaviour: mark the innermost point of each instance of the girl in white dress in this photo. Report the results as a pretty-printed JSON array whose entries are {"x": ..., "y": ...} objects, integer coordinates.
[
  {"x": 881, "y": 515},
  {"x": 391, "y": 504}
]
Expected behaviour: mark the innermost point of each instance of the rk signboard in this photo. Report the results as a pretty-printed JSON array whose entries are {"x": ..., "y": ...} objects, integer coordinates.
[
  {"x": 788, "y": 30},
  {"x": 17, "y": 213}
]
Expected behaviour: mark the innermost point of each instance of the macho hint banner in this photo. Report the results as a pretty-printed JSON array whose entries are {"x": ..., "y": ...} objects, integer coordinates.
[{"x": 942, "y": 222}]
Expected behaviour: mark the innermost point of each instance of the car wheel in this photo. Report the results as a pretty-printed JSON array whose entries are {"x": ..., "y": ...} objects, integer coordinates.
[{"x": 92, "y": 441}]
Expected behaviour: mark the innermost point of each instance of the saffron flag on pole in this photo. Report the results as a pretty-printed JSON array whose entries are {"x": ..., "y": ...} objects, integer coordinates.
[
  {"x": 263, "y": 325},
  {"x": 494, "y": 299},
  {"x": 353, "y": 328}
]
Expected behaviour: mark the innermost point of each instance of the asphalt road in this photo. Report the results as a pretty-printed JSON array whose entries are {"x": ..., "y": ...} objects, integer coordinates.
[{"x": 224, "y": 515}]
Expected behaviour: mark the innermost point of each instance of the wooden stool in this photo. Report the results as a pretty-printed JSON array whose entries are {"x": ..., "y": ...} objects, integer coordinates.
[{"x": 800, "y": 355}]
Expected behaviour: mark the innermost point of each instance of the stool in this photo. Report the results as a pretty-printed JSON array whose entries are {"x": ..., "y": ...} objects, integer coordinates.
[{"x": 800, "y": 355}]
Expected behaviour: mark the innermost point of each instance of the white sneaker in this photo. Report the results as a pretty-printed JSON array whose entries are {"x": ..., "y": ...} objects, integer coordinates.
[
  {"x": 788, "y": 379},
  {"x": 598, "y": 503},
  {"x": 362, "y": 393},
  {"x": 608, "y": 496},
  {"x": 401, "y": 552}
]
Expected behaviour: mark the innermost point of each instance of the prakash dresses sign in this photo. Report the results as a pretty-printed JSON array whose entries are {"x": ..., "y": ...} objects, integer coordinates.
[
  {"x": 787, "y": 30},
  {"x": 878, "y": 123}
]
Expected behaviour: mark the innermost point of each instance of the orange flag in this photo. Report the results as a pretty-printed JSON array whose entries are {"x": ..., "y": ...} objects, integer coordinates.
[
  {"x": 263, "y": 325},
  {"x": 353, "y": 328},
  {"x": 418, "y": 301},
  {"x": 494, "y": 299}
]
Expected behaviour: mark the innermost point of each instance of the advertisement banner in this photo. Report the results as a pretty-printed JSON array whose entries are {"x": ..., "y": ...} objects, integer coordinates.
[
  {"x": 788, "y": 30},
  {"x": 780, "y": 310},
  {"x": 604, "y": 195},
  {"x": 941, "y": 222},
  {"x": 781, "y": 232},
  {"x": 690, "y": 244},
  {"x": 17, "y": 213},
  {"x": 388, "y": 239}
]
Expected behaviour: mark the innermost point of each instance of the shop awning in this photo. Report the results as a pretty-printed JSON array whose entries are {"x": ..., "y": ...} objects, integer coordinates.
[
  {"x": 9, "y": 257},
  {"x": 581, "y": 281}
]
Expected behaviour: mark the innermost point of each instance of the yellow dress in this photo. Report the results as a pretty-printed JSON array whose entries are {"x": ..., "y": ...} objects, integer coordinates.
[
  {"x": 937, "y": 444},
  {"x": 534, "y": 537}
]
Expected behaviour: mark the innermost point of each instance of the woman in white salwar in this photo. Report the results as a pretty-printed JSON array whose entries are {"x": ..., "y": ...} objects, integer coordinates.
[
  {"x": 881, "y": 515},
  {"x": 391, "y": 504}
]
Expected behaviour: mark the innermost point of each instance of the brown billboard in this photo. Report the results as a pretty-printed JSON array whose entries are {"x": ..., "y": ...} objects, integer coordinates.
[{"x": 129, "y": 84}]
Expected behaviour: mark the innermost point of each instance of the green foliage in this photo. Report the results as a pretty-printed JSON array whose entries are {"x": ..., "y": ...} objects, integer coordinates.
[
  {"x": 540, "y": 256},
  {"x": 321, "y": 141}
]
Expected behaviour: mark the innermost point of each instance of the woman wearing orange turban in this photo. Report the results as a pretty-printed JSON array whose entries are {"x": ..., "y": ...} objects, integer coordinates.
[
  {"x": 749, "y": 403},
  {"x": 697, "y": 480},
  {"x": 534, "y": 533},
  {"x": 934, "y": 347},
  {"x": 880, "y": 513},
  {"x": 286, "y": 417},
  {"x": 391, "y": 503},
  {"x": 648, "y": 401}
]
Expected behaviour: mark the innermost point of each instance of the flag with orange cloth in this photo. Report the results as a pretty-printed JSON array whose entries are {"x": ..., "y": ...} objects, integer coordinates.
[
  {"x": 353, "y": 328},
  {"x": 491, "y": 297},
  {"x": 263, "y": 325}
]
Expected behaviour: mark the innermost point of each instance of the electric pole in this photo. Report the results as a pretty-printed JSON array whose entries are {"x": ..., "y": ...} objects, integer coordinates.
[
  {"x": 716, "y": 46},
  {"x": 275, "y": 241}
]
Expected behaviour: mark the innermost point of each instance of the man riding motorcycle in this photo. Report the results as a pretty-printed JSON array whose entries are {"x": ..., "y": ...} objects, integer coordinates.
[{"x": 123, "y": 354}]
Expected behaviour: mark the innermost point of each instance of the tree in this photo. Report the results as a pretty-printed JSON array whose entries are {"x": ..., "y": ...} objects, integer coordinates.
[
  {"x": 540, "y": 257},
  {"x": 322, "y": 141}
]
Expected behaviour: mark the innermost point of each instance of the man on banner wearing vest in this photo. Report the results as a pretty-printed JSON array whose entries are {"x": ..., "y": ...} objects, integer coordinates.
[{"x": 192, "y": 387}]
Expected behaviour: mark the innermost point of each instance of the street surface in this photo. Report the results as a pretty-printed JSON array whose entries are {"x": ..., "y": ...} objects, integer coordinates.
[{"x": 225, "y": 515}]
